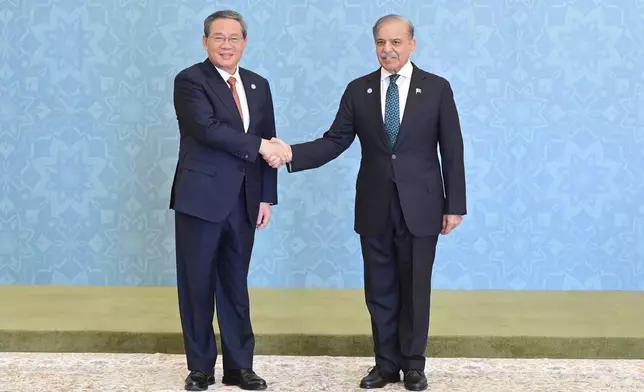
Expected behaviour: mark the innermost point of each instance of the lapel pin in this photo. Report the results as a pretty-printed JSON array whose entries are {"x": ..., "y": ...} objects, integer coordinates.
[
  {"x": 253, "y": 86},
  {"x": 418, "y": 91},
  {"x": 369, "y": 90}
]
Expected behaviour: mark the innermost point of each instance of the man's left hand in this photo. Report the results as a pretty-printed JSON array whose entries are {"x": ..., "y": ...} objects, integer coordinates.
[
  {"x": 264, "y": 215},
  {"x": 450, "y": 222}
]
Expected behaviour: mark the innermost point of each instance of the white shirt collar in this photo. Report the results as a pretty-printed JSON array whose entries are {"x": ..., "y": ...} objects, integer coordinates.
[
  {"x": 405, "y": 71},
  {"x": 226, "y": 75}
]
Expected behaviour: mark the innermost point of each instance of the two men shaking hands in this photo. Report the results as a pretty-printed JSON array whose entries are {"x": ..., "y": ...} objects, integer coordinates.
[{"x": 225, "y": 187}]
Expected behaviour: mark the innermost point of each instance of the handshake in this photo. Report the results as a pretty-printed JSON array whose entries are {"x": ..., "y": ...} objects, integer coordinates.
[{"x": 275, "y": 152}]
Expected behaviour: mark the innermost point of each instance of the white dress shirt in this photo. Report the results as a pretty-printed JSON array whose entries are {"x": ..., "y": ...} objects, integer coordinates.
[
  {"x": 239, "y": 85},
  {"x": 402, "y": 82}
]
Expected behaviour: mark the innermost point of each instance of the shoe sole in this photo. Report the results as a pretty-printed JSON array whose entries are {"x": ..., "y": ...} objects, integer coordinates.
[
  {"x": 377, "y": 386},
  {"x": 196, "y": 388},
  {"x": 253, "y": 388}
]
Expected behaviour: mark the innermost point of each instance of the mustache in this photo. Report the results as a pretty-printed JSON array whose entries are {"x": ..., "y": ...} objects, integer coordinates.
[{"x": 388, "y": 55}]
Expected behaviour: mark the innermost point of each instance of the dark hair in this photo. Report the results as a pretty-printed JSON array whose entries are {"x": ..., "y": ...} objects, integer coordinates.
[{"x": 225, "y": 14}]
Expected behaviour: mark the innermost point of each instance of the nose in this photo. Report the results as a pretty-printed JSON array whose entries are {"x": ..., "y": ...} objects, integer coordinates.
[{"x": 388, "y": 47}]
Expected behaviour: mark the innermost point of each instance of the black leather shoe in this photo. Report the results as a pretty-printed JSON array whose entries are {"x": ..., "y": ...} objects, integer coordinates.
[
  {"x": 415, "y": 380},
  {"x": 377, "y": 378},
  {"x": 245, "y": 379},
  {"x": 199, "y": 381}
]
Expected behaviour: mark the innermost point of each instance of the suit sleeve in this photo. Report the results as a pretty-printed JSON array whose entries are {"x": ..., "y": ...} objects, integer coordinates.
[
  {"x": 335, "y": 141},
  {"x": 450, "y": 142},
  {"x": 269, "y": 175},
  {"x": 198, "y": 116}
]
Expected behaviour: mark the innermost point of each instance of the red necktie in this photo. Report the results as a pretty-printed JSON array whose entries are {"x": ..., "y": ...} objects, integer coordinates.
[{"x": 232, "y": 82}]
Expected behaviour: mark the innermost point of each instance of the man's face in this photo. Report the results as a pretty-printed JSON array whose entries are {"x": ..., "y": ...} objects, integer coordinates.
[
  {"x": 394, "y": 45},
  {"x": 225, "y": 44}
]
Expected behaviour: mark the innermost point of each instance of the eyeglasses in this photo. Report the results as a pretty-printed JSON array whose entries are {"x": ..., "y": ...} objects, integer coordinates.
[{"x": 220, "y": 39}]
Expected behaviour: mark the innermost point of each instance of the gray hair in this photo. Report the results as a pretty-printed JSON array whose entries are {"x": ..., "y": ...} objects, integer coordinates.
[
  {"x": 391, "y": 17},
  {"x": 225, "y": 14}
]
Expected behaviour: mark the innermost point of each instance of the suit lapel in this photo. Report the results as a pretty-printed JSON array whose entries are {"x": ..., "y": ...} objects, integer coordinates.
[
  {"x": 414, "y": 98},
  {"x": 221, "y": 88},
  {"x": 253, "y": 94},
  {"x": 373, "y": 99}
]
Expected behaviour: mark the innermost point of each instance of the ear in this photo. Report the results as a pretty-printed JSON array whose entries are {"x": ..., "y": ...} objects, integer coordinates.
[{"x": 204, "y": 41}]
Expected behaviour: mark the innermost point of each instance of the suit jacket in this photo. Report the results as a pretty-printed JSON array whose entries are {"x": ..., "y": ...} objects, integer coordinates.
[
  {"x": 426, "y": 189},
  {"x": 215, "y": 154}
]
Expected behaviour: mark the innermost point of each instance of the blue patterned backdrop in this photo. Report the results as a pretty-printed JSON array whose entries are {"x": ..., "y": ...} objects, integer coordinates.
[{"x": 551, "y": 95}]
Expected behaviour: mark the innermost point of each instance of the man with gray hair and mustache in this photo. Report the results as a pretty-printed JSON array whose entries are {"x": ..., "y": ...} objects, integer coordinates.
[{"x": 405, "y": 197}]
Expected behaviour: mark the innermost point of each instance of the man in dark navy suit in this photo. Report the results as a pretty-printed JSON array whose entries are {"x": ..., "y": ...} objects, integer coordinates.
[
  {"x": 222, "y": 192},
  {"x": 405, "y": 197}
]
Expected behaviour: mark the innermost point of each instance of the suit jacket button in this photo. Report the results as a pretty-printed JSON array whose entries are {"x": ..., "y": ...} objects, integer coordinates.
[
  {"x": 393, "y": 156},
  {"x": 246, "y": 156}
]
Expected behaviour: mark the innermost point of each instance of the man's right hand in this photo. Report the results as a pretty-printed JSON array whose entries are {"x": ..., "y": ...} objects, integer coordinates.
[{"x": 275, "y": 152}]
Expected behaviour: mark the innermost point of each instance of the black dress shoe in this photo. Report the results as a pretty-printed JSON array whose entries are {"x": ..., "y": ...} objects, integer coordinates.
[
  {"x": 377, "y": 378},
  {"x": 199, "y": 381},
  {"x": 245, "y": 379},
  {"x": 415, "y": 380}
]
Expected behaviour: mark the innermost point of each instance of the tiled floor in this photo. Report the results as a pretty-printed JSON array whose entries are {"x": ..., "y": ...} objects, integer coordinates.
[{"x": 160, "y": 373}]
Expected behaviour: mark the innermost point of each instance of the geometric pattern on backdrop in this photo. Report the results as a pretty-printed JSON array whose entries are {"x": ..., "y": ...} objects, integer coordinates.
[{"x": 551, "y": 98}]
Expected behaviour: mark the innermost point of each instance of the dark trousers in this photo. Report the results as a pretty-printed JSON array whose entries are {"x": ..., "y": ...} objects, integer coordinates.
[
  {"x": 212, "y": 262},
  {"x": 398, "y": 269}
]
